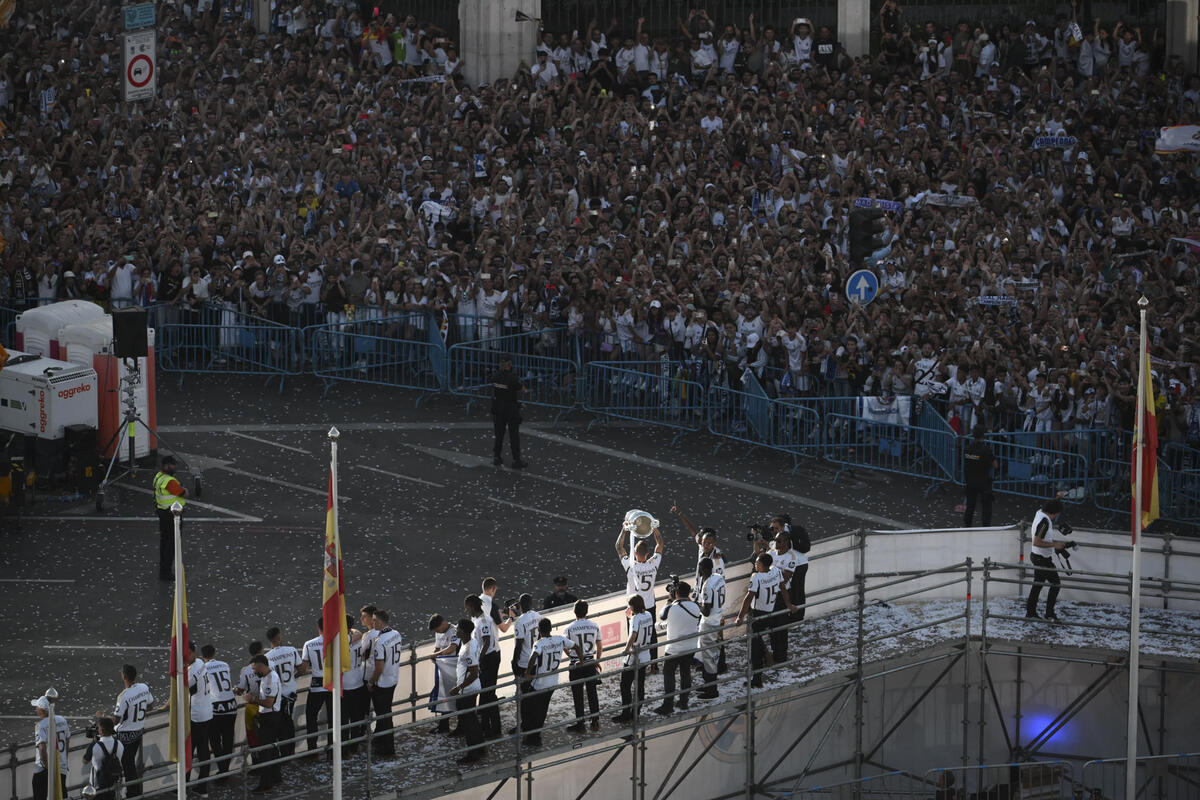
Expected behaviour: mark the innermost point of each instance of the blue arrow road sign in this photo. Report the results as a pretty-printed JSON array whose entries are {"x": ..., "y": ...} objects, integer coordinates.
[{"x": 862, "y": 287}]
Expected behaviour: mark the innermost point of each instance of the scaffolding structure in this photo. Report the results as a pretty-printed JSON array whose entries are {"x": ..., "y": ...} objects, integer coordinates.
[{"x": 905, "y": 680}]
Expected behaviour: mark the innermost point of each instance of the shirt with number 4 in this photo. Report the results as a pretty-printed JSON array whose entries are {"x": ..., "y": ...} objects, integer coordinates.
[
  {"x": 764, "y": 588},
  {"x": 388, "y": 649},
  {"x": 547, "y": 655},
  {"x": 641, "y": 576}
]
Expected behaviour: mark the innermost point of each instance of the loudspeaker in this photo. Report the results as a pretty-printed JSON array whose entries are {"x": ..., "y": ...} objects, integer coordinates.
[
  {"x": 83, "y": 457},
  {"x": 129, "y": 333}
]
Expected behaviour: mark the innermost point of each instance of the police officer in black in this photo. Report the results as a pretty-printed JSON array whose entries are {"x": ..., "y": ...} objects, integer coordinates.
[
  {"x": 978, "y": 463},
  {"x": 506, "y": 412}
]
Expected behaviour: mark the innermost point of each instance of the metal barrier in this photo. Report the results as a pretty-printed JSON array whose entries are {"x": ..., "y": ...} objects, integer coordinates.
[
  {"x": 1179, "y": 486},
  {"x": 549, "y": 382},
  {"x": 754, "y": 418},
  {"x": 1029, "y": 779},
  {"x": 1032, "y": 471},
  {"x": 237, "y": 344},
  {"x": 645, "y": 392},
  {"x": 887, "y": 447},
  {"x": 872, "y": 787},
  {"x": 1176, "y": 776},
  {"x": 939, "y": 441},
  {"x": 8, "y": 326},
  {"x": 376, "y": 351}
]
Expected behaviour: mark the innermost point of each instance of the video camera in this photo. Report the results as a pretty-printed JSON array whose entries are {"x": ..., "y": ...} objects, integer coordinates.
[
  {"x": 755, "y": 531},
  {"x": 673, "y": 586},
  {"x": 1066, "y": 530},
  {"x": 92, "y": 731}
]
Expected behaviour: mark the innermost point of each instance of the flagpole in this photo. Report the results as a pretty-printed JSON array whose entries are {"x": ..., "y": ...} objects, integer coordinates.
[
  {"x": 336, "y": 722},
  {"x": 1131, "y": 726},
  {"x": 181, "y": 671}
]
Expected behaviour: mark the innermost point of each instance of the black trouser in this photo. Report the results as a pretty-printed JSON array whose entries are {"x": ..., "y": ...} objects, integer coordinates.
[
  {"x": 358, "y": 700},
  {"x": 1045, "y": 573},
  {"x": 628, "y": 676},
  {"x": 511, "y": 421},
  {"x": 468, "y": 723},
  {"x": 384, "y": 743},
  {"x": 287, "y": 724},
  {"x": 220, "y": 736},
  {"x": 683, "y": 664},
  {"x": 489, "y": 718},
  {"x": 984, "y": 498},
  {"x": 312, "y": 709},
  {"x": 269, "y": 728},
  {"x": 591, "y": 686},
  {"x": 132, "y": 743},
  {"x": 779, "y": 631},
  {"x": 534, "y": 715},
  {"x": 166, "y": 544},
  {"x": 758, "y": 624},
  {"x": 41, "y": 785},
  {"x": 796, "y": 590},
  {"x": 201, "y": 733}
]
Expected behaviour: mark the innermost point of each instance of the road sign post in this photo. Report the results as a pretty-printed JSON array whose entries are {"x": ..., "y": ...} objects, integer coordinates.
[
  {"x": 862, "y": 287},
  {"x": 140, "y": 78}
]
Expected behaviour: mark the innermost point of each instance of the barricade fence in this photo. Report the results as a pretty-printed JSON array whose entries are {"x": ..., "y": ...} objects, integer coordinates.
[
  {"x": 565, "y": 369},
  {"x": 1174, "y": 776}
]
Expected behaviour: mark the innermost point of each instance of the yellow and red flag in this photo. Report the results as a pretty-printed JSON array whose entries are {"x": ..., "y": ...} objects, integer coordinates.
[
  {"x": 181, "y": 712},
  {"x": 333, "y": 596},
  {"x": 1145, "y": 447}
]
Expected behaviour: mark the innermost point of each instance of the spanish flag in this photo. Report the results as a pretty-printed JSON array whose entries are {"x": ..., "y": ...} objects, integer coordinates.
[
  {"x": 1145, "y": 447},
  {"x": 181, "y": 712},
  {"x": 333, "y": 595}
]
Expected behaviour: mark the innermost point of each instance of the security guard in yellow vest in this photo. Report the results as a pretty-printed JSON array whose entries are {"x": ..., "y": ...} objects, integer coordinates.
[{"x": 167, "y": 492}]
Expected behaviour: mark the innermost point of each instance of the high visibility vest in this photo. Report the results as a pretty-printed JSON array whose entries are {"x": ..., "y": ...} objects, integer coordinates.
[{"x": 163, "y": 498}]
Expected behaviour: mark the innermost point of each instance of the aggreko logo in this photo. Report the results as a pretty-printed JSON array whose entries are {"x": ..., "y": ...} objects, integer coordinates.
[{"x": 67, "y": 394}]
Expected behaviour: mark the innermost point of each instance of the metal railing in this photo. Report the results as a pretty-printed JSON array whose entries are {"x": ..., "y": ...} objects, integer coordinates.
[{"x": 1175, "y": 776}]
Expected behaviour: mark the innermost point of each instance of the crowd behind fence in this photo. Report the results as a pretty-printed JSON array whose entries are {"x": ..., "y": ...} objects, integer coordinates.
[{"x": 567, "y": 370}]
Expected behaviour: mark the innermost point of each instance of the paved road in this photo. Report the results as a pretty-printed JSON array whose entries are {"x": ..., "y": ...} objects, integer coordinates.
[{"x": 424, "y": 516}]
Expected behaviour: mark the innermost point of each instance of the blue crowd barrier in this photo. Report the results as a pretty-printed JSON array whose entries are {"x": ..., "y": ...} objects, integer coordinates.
[
  {"x": 1179, "y": 491},
  {"x": 1028, "y": 470},
  {"x": 647, "y": 392},
  {"x": 939, "y": 441},
  {"x": 549, "y": 382},
  {"x": 237, "y": 344},
  {"x": 8, "y": 327},
  {"x": 753, "y": 417},
  {"x": 886, "y": 447},
  {"x": 386, "y": 351}
]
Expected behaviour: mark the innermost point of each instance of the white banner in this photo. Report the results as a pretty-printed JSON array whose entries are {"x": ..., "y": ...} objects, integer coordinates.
[
  {"x": 896, "y": 410},
  {"x": 950, "y": 200},
  {"x": 1178, "y": 139},
  {"x": 140, "y": 74}
]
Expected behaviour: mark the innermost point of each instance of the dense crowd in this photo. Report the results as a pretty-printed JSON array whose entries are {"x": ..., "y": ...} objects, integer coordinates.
[{"x": 684, "y": 194}]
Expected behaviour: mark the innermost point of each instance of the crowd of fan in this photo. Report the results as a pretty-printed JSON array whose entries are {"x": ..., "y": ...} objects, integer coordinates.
[{"x": 685, "y": 194}]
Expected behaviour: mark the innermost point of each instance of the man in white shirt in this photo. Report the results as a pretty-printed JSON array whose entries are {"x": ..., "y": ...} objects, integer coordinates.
[
  {"x": 97, "y": 754},
  {"x": 489, "y": 664},
  {"x": 542, "y": 674},
  {"x": 544, "y": 72},
  {"x": 783, "y": 558},
  {"x": 120, "y": 281},
  {"x": 488, "y": 301},
  {"x": 288, "y": 663},
  {"x": 1041, "y": 555},
  {"x": 133, "y": 704},
  {"x": 202, "y": 714},
  {"x": 525, "y": 629},
  {"x": 319, "y": 697},
  {"x": 445, "y": 665},
  {"x": 682, "y": 617},
  {"x": 641, "y": 572},
  {"x": 354, "y": 685},
  {"x": 267, "y": 699},
  {"x": 766, "y": 584},
  {"x": 637, "y": 656},
  {"x": 224, "y": 705},
  {"x": 585, "y": 667},
  {"x": 248, "y": 686},
  {"x": 710, "y": 593},
  {"x": 466, "y": 691},
  {"x": 386, "y": 654},
  {"x": 41, "y": 735}
]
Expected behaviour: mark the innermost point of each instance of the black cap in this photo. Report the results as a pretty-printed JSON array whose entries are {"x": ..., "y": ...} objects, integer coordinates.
[{"x": 560, "y": 580}]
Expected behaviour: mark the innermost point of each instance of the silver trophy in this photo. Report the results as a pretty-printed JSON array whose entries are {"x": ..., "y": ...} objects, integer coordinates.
[{"x": 640, "y": 524}]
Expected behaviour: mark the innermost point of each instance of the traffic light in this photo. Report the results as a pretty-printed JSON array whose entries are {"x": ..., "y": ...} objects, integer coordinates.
[{"x": 867, "y": 227}]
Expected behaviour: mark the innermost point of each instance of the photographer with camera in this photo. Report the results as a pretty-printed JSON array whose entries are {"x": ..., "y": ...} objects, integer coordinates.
[
  {"x": 682, "y": 618},
  {"x": 711, "y": 595},
  {"x": 1042, "y": 556},
  {"x": 104, "y": 755}
]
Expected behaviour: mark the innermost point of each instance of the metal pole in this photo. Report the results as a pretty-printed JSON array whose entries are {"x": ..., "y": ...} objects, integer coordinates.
[
  {"x": 983, "y": 612},
  {"x": 1135, "y": 600},
  {"x": 750, "y": 676},
  {"x": 966, "y": 667},
  {"x": 181, "y": 698},
  {"x": 336, "y": 560},
  {"x": 859, "y": 692}
]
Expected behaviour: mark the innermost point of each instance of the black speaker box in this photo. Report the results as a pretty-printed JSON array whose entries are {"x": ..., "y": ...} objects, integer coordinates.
[{"x": 129, "y": 333}]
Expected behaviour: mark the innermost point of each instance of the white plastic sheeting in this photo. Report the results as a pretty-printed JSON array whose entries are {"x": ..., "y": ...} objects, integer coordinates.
[{"x": 492, "y": 43}]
